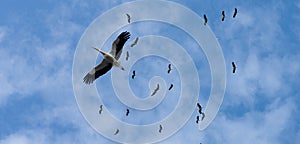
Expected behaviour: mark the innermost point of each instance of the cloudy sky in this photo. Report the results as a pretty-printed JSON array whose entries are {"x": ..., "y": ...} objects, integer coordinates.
[{"x": 38, "y": 40}]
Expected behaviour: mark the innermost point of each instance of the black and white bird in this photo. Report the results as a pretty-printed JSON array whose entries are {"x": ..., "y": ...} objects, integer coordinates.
[
  {"x": 233, "y": 67},
  {"x": 100, "y": 109},
  {"x": 117, "y": 131},
  {"x": 127, "y": 55},
  {"x": 171, "y": 86},
  {"x": 197, "y": 119},
  {"x": 127, "y": 112},
  {"x": 169, "y": 68},
  {"x": 110, "y": 59},
  {"x": 160, "y": 128},
  {"x": 134, "y": 42},
  {"x": 234, "y": 13},
  {"x": 205, "y": 19},
  {"x": 223, "y": 15},
  {"x": 155, "y": 91},
  {"x": 133, "y": 74},
  {"x": 128, "y": 18}
]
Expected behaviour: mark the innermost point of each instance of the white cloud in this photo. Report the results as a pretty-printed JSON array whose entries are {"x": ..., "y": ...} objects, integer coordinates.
[{"x": 254, "y": 127}]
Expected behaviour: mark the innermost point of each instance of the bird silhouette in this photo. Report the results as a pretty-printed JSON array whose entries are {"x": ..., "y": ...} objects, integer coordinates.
[
  {"x": 133, "y": 74},
  {"x": 128, "y": 18},
  {"x": 233, "y": 67},
  {"x": 100, "y": 109},
  {"x": 134, "y": 42},
  {"x": 117, "y": 131},
  {"x": 110, "y": 59},
  {"x": 169, "y": 68},
  {"x": 127, "y": 112},
  {"x": 205, "y": 19},
  {"x": 160, "y": 129},
  {"x": 156, "y": 89},
  {"x": 223, "y": 15},
  {"x": 171, "y": 86},
  {"x": 127, "y": 55},
  {"x": 199, "y": 108},
  {"x": 234, "y": 13},
  {"x": 197, "y": 119}
]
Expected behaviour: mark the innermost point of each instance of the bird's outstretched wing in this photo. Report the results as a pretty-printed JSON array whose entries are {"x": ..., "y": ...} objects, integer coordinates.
[
  {"x": 97, "y": 71},
  {"x": 118, "y": 44}
]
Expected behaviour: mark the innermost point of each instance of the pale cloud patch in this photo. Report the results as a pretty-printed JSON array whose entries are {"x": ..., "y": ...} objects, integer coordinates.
[{"x": 3, "y": 32}]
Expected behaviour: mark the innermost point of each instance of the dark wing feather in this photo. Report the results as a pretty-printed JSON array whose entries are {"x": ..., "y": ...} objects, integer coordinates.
[
  {"x": 97, "y": 71},
  {"x": 118, "y": 44}
]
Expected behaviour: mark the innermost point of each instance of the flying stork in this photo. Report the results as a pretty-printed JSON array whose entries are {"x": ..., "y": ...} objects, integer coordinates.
[
  {"x": 234, "y": 13},
  {"x": 205, "y": 19},
  {"x": 223, "y": 15},
  {"x": 110, "y": 59},
  {"x": 233, "y": 67},
  {"x": 128, "y": 18}
]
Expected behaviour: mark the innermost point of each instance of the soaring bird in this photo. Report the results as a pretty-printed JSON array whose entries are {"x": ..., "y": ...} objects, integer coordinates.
[
  {"x": 127, "y": 55},
  {"x": 223, "y": 15},
  {"x": 134, "y": 42},
  {"x": 100, "y": 109},
  {"x": 171, "y": 86},
  {"x": 199, "y": 108},
  {"x": 110, "y": 59},
  {"x": 133, "y": 74},
  {"x": 160, "y": 129},
  {"x": 234, "y": 13},
  {"x": 127, "y": 112},
  {"x": 169, "y": 68},
  {"x": 205, "y": 19},
  {"x": 203, "y": 116},
  {"x": 156, "y": 89},
  {"x": 233, "y": 67},
  {"x": 117, "y": 131},
  {"x": 197, "y": 119},
  {"x": 128, "y": 18}
]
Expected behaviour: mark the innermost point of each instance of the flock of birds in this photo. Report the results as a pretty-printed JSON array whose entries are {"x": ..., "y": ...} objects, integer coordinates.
[{"x": 111, "y": 59}]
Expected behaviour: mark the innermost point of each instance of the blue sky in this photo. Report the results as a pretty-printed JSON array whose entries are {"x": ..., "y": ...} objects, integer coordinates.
[{"x": 38, "y": 40}]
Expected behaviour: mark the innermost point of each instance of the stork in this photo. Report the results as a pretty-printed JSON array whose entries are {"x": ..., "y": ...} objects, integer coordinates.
[{"x": 110, "y": 59}]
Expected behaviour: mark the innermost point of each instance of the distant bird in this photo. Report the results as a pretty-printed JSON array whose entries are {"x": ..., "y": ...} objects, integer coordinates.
[
  {"x": 171, "y": 86},
  {"x": 127, "y": 55},
  {"x": 127, "y": 112},
  {"x": 133, "y": 74},
  {"x": 169, "y": 68},
  {"x": 134, "y": 42},
  {"x": 223, "y": 15},
  {"x": 197, "y": 119},
  {"x": 117, "y": 131},
  {"x": 199, "y": 108},
  {"x": 128, "y": 18},
  {"x": 156, "y": 89},
  {"x": 203, "y": 116},
  {"x": 160, "y": 129},
  {"x": 205, "y": 19},
  {"x": 110, "y": 59},
  {"x": 234, "y": 13},
  {"x": 233, "y": 67},
  {"x": 100, "y": 109}
]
